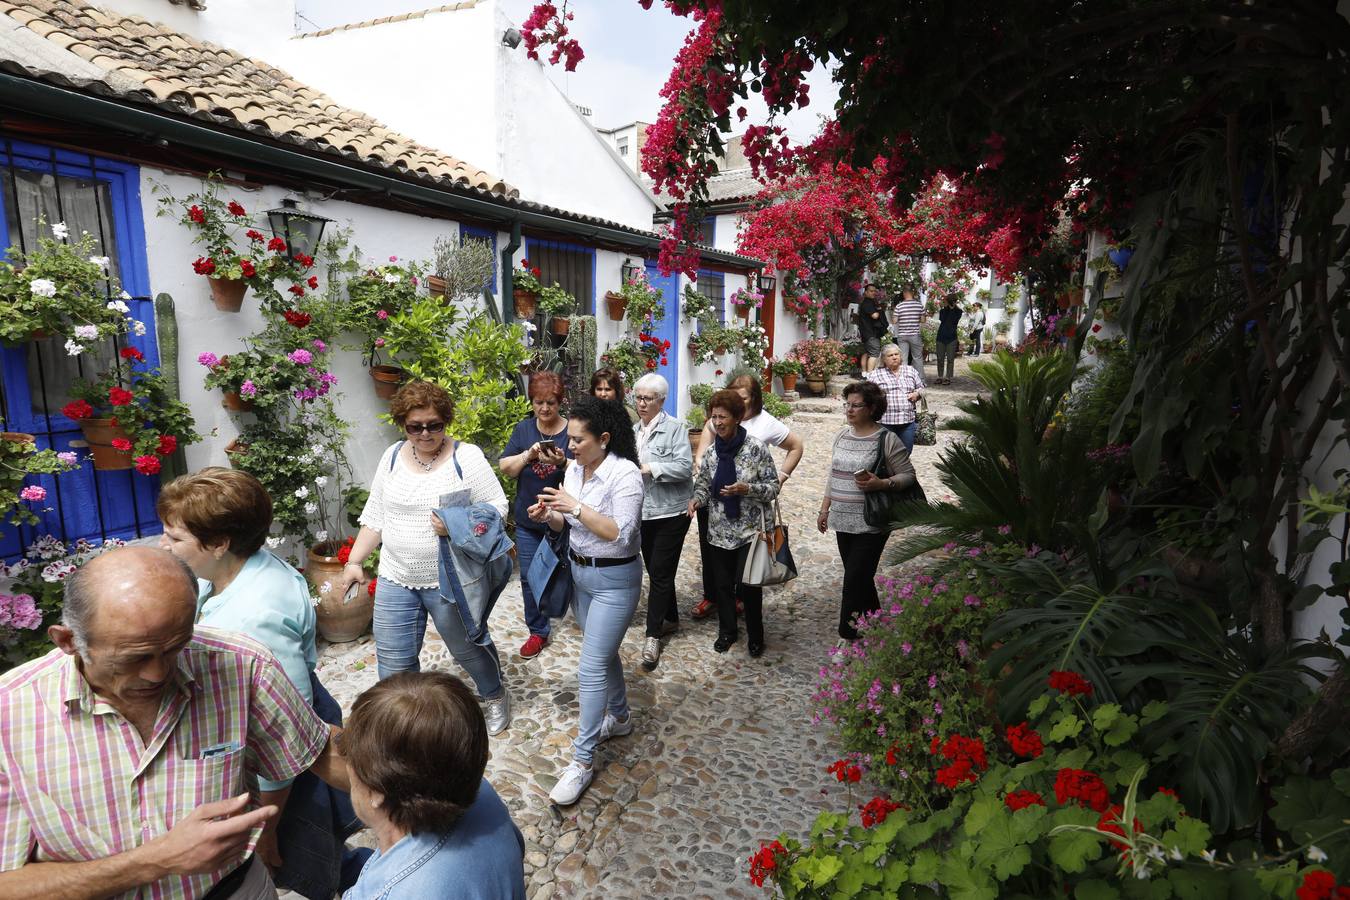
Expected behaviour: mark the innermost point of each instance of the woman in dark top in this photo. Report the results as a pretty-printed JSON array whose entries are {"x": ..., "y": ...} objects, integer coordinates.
[
  {"x": 536, "y": 454},
  {"x": 948, "y": 316}
]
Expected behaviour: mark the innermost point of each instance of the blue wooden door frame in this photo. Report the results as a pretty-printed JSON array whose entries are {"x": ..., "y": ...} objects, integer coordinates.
[{"x": 668, "y": 329}]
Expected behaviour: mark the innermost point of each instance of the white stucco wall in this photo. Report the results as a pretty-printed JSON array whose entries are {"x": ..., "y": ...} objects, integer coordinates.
[{"x": 255, "y": 28}]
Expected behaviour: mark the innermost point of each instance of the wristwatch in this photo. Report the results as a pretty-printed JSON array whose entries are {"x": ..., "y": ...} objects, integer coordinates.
[{"x": 576, "y": 513}]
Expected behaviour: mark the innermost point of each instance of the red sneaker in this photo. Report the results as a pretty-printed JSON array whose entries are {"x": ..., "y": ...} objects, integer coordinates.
[
  {"x": 702, "y": 609},
  {"x": 531, "y": 648}
]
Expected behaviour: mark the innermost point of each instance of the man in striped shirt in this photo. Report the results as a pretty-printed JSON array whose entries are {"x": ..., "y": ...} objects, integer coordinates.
[
  {"x": 127, "y": 754},
  {"x": 906, "y": 317}
]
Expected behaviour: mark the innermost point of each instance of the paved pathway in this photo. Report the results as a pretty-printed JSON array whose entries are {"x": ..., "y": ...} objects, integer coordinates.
[{"x": 723, "y": 754}]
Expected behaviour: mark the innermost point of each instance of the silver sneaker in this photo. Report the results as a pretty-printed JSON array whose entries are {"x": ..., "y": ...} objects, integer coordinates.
[
  {"x": 498, "y": 713},
  {"x": 651, "y": 653},
  {"x": 611, "y": 727},
  {"x": 571, "y": 784}
]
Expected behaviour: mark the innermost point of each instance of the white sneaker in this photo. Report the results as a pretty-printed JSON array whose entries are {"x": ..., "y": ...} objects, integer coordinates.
[
  {"x": 612, "y": 727},
  {"x": 571, "y": 784},
  {"x": 498, "y": 713}
]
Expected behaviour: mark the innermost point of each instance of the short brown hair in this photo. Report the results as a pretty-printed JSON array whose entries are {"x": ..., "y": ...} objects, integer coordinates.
[
  {"x": 417, "y": 394},
  {"x": 611, "y": 377},
  {"x": 419, "y": 739},
  {"x": 871, "y": 395},
  {"x": 218, "y": 504},
  {"x": 730, "y": 401},
  {"x": 546, "y": 383},
  {"x": 751, "y": 384}
]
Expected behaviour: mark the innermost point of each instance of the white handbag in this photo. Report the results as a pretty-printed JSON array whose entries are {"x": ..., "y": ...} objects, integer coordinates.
[{"x": 769, "y": 560}]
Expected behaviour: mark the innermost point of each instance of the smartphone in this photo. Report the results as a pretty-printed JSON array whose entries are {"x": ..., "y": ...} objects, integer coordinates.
[
  {"x": 351, "y": 592},
  {"x": 859, "y": 472}
]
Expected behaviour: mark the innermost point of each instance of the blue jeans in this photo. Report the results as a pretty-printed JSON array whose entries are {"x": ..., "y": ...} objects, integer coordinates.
[
  {"x": 401, "y": 625},
  {"x": 527, "y": 542},
  {"x": 905, "y": 432},
  {"x": 605, "y": 602}
]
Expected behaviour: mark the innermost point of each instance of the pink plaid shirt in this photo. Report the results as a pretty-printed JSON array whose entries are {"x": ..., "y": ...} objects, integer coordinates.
[
  {"x": 78, "y": 784},
  {"x": 897, "y": 386}
]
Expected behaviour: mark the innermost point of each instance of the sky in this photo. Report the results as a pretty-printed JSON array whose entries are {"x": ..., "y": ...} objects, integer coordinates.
[{"x": 629, "y": 54}]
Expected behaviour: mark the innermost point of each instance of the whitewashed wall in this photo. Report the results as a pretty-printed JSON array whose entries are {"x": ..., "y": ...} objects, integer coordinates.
[{"x": 255, "y": 28}]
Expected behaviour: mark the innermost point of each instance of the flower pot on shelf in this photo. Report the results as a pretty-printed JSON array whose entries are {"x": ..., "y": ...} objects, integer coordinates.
[
  {"x": 815, "y": 385},
  {"x": 525, "y": 302},
  {"x": 228, "y": 293},
  {"x": 387, "y": 380},
  {"x": 234, "y": 450},
  {"x": 339, "y": 620},
  {"x": 232, "y": 400},
  {"x": 616, "y": 304},
  {"x": 99, "y": 434},
  {"x": 789, "y": 382},
  {"x": 559, "y": 324}
]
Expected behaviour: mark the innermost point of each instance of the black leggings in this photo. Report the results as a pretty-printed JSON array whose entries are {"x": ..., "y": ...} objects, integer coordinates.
[
  {"x": 861, "y": 553},
  {"x": 722, "y": 580}
]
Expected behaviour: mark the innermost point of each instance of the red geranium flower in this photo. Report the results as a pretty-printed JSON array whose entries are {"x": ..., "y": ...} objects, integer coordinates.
[
  {"x": 120, "y": 396},
  {"x": 1320, "y": 885},
  {"x": 121, "y": 444},
  {"x": 1022, "y": 799},
  {"x": 1025, "y": 741},
  {"x": 1110, "y": 822},
  {"x": 254, "y": 236},
  {"x": 197, "y": 215},
  {"x": 167, "y": 444},
  {"x": 297, "y": 290},
  {"x": 246, "y": 266},
  {"x": 304, "y": 260},
  {"x": 875, "y": 811},
  {"x": 147, "y": 465},
  {"x": 235, "y": 209},
  {"x": 536, "y": 272},
  {"x": 77, "y": 409},
  {"x": 344, "y": 553},
  {"x": 298, "y": 319},
  {"x": 370, "y": 588},
  {"x": 313, "y": 282},
  {"x": 1085, "y": 787},
  {"x": 765, "y": 861},
  {"x": 1096, "y": 328},
  {"x": 844, "y": 770},
  {"x": 1070, "y": 683},
  {"x": 204, "y": 265},
  {"x": 276, "y": 244},
  {"x": 966, "y": 756},
  {"x": 524, "y": 263},
  {"x": 132, "y": 353}
]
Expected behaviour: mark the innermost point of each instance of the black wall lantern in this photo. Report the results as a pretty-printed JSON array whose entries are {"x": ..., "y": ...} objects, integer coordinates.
[
  {"x": 766, "y": 283},
  {"x": 301, "y": 231},
  {"x": 630, "y": 271}
]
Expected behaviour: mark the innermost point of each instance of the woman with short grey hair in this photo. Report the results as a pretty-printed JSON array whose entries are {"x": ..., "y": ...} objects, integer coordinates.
[{"x": 667, "y": 467}]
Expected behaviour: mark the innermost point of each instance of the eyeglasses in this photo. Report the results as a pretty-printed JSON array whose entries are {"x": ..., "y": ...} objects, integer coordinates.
[
  {"x": 424, "y": 427},
  {"x": 855, "y": 406},
  {"x": 643, "y": 398}
]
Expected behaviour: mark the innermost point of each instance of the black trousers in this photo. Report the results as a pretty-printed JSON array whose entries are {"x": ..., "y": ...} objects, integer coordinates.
[
  {"x": 975, "y": 341},
  {"x": 662, "y": 541},
  {"x": 860, "y": 554},
  {"x": 721, "y": 578},
  {"x": 703, "y": 549}
]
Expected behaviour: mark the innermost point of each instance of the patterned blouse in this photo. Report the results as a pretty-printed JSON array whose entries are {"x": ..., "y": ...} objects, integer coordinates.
[
  {"x": 755, "y": 467},
  {"x": 852, "y": 453}
]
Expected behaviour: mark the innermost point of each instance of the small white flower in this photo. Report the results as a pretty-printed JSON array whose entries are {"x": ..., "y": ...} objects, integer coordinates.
[
  {"x": 86, "y": 332},
  {"x": 321, "y": 481},
  {"x": 42, "y": 287},
  {"x": 1142, "y": 873},
  {"x": 301, "y": 492},
  {"x": 311, "y": 508},
  {"x": 73, "y": 348},
  {"x": 1208, "y": 856},
  {"x": 321, "y": 536},
  {"x": 325, "y": 587},
  {"x": 138, "y": 328},
  {"x": 100, "y": 261},
  {"x": 124, "y": 296},
  {"x": 118, "y": 306},
  {"x": 1156, "y": 852},
  {"x": 1176, "y": 854},
  {"x": 317, "y": 449},
  {"x": 314, "y": 601},
  {"x": 60, "y": 231},
  {"x": 392, "y": 278},
  {"x": 1316, "y": 854},
  {"x": 274, "y": 542}
]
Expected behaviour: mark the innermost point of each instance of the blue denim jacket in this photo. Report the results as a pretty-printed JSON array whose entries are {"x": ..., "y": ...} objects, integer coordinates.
[
  {"x": 481, "y": 857},
  {"x": 475, "y": 562}
]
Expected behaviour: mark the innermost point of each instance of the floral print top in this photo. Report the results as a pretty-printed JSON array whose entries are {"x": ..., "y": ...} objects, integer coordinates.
[{"x": 755, "y": 467}]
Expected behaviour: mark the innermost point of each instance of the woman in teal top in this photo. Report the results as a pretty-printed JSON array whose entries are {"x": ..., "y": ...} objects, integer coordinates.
[{"x": 216, "y": 520}]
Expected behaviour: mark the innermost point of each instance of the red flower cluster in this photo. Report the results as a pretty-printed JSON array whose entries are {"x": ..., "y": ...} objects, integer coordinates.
[
  {"x": 966, "y": 755},
  {"x": 77, "y": 410},
  {"x": 313, "y": 282},
  {"x": 875, "y": 811},
  {"x": 370, "y": 588},
  {"x": 167, "y": 444},
  {"x": 304, "y": 259},
  {"x": 247, "y": 268},
  {"x": 1321, "y": 885},
  {"x": 1022, "y": 799},
  {"x": 132, "y": 353},
  {"x": 120, "y": 396},
  {"x": 844, "y": 770},
  {"x": 255, "y": 236},
  {"x": 345, "y": 551},
  {"x": 204, "y": 265},
  {"x": 197, "y": 214},
  {"x": 296, "y": 318},
  {"x": 1085, "y": 787},
  {"x": 121, "y": 445},
  {"x": 1070, "y": 683},
  {"x": 297, "y": 290},
  {"x": 235, "y": 209},
  {"x": 546, "y": 26},
  {"x": 655, "y": 346},
  {"x": 1111, "y": 820},
  {"x": 147, "y": 465},
  {"x": 1024, "y": 741},
  {"x": 277, "y": 244},
  {"x": 765, "y": 861}
]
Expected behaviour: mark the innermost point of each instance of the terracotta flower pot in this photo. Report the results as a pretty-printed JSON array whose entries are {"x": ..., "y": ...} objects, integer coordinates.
[
  {"x": 525, "y": 303},
  {"x": 338, "y": 620},
  {"x": 387, "y": 380},
  {"x": 559, "y": 324},
  {"x": 743, "y": 312},
  {"x": 228, "y": 293},
  {"x": 232, "y": 400},
  {"x": 789, "y": 382},
  {"x": 815, "y": 385},
  {"x": 234, "y": 450},
  {"x": 18, "y": 437},
  {"x": 616, "y": 304},
  {"x": 435, "y": 286},
  {"x": 99, "y": 435}
]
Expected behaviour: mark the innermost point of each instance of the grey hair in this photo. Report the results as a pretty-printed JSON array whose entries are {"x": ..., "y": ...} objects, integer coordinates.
[
  {"x": 78, "y": 598},
  {"x": 657, "y": 384},
  {"x": 887, "y": 348}
]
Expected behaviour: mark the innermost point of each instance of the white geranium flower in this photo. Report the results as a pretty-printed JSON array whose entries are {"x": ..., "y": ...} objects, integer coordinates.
[
  {"x": 321, "y": 536},
  {"x": 124, "y": 296},
  {"x": 392, "y": 278},
  {"x": 316, "y": 450},
  {"x": 100, "y": 261},
  {"x": 86, "y": 332},
  {"x": 118, "y": 306},
  {"x": 42, "y": 287},
  {"x": 73, "y": 348},
  {"x": 60, "y": 231},
  {"x": 1176, "y": 854},
  {"x": 301, "y": 492},
  {"x": 273, "y": 543},
  {"x": 1316, "y": 854},
  {"x": 1208, "y": 856},
  {"x": 311, "y": 508},
  {"x": 321, "y": 481},
  {"x": 138, "y": 328}
]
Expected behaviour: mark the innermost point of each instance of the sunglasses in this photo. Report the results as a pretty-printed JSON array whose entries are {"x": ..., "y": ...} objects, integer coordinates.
[{"x": 424, "y": 427}]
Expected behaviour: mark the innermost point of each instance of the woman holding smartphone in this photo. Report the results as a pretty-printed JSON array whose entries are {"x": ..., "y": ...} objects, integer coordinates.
[{"x": 535, "y": 455}]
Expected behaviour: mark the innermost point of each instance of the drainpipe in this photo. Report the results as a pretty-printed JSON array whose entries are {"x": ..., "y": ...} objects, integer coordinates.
[{"x": 508, "y": 252}]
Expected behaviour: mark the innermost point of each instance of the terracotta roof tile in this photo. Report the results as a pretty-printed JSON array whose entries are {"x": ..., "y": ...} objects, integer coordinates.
[{"x": 249, "y": 93}]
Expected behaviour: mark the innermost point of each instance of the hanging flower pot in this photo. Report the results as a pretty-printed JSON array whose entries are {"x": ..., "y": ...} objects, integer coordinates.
[
  {"x": 559, "y": 324},
  {"x": 387, "y": 380},
  {"x": 99, "y": 434},
  {"x": 228, "y": 293},
  {"x": 233, "y": 401},
  {"x": 743, "y": 312},
  {"x": 338, "y": 619},
  {"x": 435, "y": 286},
  {"x": 1120, "y": 258},
  {"x": 234, "y": 451},
  {"x": 525, "y": 301},
  {"x": 617, "y": 305},
  {"x": 789, "y": 382}
]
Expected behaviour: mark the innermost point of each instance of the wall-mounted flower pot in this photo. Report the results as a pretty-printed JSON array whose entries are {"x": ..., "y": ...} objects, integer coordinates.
[
  {"x": 99, "y": 434},
  {"x": 228, "y": 293},
  {"x": 616, "y": 304},
  {"x": 526, "y": 302},
  {"x": 435, "y": 286},
  {"x": 338, "y": 619},
  {"x": 232, "y": 400},
  {"x": 1120, "y": 258},
  {"x": 743, "y": 312},
  {"x": 18, "y": 437},
  {"x": 387, "y": 380},
  {"x": 559, "y": 324},
  {"x": 789, "y": 382},
  {"x": 234, "y": 451}
]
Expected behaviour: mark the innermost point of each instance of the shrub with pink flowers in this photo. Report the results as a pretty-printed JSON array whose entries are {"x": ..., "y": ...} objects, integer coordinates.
[{"x": 34, "y": 591}]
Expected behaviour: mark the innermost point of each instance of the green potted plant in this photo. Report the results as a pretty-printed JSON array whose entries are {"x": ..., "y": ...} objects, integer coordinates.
[
  {"x": 525, "y": 289},
  {"x": 643, "y": 305},
  {"x": 708, "y": 343},
  {"x": 789, "y": 370},
  {"x": 635, "y": 357},
  {"x": 695, "y": 307},
  {"x": 821, "y": 359},
  {"x": 558, "y": 305},
  {"x": 268, "y": 379},
  {"x": 36, "y": 594},
  {"x": 744, "y": 300},
  {"x": 753, "y": 343},
  {"x": 460, "y": 267},
  {"x": 699, "y": 395},
  {"x": 130, "y": 417},
  {"x": 61, "y": 287},
  {"x": 20, "y": 458}
]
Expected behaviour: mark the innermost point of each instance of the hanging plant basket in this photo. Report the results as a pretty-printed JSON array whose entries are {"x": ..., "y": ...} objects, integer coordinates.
[
  {"x": 559, "y": 324},
  {"x": 338, "y": 619},
  {"x": 234, "y": 401},
  {"x": 228, "y": 293},
  {"x": 387, "y": 380},
  {"x": 617, "y": 305},
  {"x": 99, "y": 435},
  {"x": 526, "y": 302},
  {"x": 234, "y": 450},
  {"x": 743, "y": 312}
]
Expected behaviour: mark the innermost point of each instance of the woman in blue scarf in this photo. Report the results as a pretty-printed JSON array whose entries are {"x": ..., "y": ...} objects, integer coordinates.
[{"x": 738, "y": 483}]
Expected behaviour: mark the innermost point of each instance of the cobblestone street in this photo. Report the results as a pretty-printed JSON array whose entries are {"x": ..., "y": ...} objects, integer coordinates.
[{"x": 724, "y": 753}]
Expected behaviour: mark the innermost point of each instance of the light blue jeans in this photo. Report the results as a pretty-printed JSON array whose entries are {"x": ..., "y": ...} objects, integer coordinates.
[
  {"x": 605, "y": 600},
  {"x": 401, "y": 625}
]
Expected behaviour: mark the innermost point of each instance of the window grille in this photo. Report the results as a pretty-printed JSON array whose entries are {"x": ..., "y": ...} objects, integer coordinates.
[{"x": 571, "y": 265}]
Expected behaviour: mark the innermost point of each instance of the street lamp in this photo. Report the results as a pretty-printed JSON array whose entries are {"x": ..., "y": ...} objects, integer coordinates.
[
  {"x": 300, "y": 230},
  {"x": 630, "y": 270},
  {"x": 766, "y": 283}
]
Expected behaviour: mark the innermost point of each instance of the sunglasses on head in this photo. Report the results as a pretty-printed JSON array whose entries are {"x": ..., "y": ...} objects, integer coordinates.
[{"x": 424, "y": 427}]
